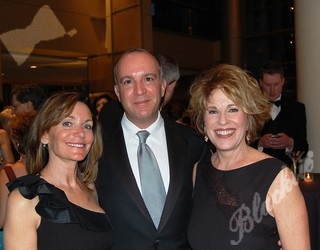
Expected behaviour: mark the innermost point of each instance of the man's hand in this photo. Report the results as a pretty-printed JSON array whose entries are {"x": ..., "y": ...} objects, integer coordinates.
[{"x": 278, "y": 141}]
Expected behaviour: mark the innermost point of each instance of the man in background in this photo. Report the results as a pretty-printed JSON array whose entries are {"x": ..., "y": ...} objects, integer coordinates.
[
  {"x": 27, "y": 98},
  {"x": 286, "y": 130},
  {"x": 171, "y": 75}
]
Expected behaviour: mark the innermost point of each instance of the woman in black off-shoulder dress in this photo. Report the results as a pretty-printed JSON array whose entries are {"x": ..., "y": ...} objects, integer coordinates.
[{"x": 56, "y": 205}]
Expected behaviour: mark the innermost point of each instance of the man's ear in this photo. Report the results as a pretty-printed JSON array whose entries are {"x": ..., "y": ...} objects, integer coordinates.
[
  {"x": 163, "y": 87},
  {"x": 116, "y": 90},
  {"x": 173, "y": 84},
  {"x": 29, "y": 106}
]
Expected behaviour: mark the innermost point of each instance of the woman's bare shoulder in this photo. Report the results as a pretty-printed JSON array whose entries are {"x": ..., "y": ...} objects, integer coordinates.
[{"x": 19, "y": 202}]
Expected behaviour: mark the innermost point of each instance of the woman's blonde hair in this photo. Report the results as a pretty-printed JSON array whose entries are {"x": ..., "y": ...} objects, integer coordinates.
[
  {"x": 236, "y": 84},
  {"x": 6, "y": 116}
]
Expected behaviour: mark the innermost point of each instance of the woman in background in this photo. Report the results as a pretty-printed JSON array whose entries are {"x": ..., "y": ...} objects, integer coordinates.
[
  {"x": 6, "y": 151},
  {"x": 100, "y": 101},
  {"x": 18, "y": 130}
]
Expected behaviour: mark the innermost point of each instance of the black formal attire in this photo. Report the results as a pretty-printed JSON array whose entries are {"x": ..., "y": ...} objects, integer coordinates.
[
  {"x": 229, "y": 210},
  {"x": 120, "y": 196},
  {"x": 110, "y": 115},
  {"x": 64, "y": 225},
  {"x": 292, "y": 121}
]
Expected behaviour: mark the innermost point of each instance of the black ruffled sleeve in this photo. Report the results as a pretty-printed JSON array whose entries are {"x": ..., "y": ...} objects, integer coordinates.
[{"x": 55, "y": 207}]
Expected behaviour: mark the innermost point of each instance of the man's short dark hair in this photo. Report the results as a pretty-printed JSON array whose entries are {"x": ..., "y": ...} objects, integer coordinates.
[
  {"x": 29, "y": 92},
  {"x": 271, "y": 68}
]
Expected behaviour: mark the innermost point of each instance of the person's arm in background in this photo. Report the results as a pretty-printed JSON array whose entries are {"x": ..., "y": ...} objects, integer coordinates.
[
  {"x": 5, "y": 148},
  {"x": 4, "y": 192}
]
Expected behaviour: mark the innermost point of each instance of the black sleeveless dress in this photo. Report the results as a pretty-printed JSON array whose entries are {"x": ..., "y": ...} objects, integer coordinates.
[
  {"x": 229, "y": 210},
  {"x": 64, "y": 225}
]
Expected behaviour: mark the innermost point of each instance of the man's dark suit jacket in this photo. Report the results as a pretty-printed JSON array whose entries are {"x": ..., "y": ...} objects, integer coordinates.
[
  {"x": 120, "y": 197},
  {"x": 292, "y": 121}
]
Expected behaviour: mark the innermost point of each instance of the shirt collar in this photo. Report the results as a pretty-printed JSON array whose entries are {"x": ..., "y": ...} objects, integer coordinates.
[{"x": 132, "y": 129}]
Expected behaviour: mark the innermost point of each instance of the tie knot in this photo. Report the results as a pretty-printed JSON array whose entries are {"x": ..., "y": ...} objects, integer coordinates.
[
  {"x": 143, "y": 135},
  {"x": 277, "y": 103}
]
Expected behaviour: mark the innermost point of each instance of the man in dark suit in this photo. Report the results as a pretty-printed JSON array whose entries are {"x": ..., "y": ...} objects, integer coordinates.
[
  {"x": 286, "y": 130},
  {"x": 139, "y": 87}
]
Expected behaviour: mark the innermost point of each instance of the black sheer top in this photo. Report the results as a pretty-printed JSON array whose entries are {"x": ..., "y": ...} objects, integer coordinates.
[{"x": 229, "y": 210}]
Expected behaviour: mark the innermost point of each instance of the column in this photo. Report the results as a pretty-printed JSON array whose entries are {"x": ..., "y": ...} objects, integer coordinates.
[
  {"x": 232, "y": 36},
  {"x": 130, "y": 24},
  {"x": 307, "y": 36}
]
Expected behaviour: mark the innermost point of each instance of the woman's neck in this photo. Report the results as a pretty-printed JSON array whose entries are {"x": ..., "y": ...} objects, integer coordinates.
[{"x": 224, "y": 160}]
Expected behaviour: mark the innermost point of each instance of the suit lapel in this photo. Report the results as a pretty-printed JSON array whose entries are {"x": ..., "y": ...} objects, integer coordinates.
[
  {"x": 281, "y": 118},
  {"x": 121, "y": 166},
  {"x": 177, "y": 155}
]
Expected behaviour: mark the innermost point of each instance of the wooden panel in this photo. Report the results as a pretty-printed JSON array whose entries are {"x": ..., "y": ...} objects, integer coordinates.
[
  {"x": 126, "y": 26},
  {"x": 100, "y": 74},
  {"x": 118, "y": 5}
]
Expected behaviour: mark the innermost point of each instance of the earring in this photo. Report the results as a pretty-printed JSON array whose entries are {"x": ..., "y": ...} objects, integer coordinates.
[
  {"x": 206, "y": 138},
  {"x": 248, "y": 138},
  {"x": 44, "y": 145}
]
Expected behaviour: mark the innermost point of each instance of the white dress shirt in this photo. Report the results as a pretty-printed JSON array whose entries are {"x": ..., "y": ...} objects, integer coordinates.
[
  {"x": 156, "y": 141},
  {"x": 274, "y": 113}
]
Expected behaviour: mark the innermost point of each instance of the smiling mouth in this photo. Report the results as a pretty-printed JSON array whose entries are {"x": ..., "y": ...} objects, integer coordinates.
[
  {"x": 225, "y": 132},
  {"x": 76, "y": 145}
]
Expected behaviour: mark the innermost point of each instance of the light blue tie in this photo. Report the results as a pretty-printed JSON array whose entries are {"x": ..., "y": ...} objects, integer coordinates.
[{"x": 152, "y": 188}]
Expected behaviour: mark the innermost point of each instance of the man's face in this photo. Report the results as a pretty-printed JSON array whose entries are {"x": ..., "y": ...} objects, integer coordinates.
[
  {"x": 18, "y": 107},
  {"x": 139, "y": 87},
  {"x": 272, "y": 85}
]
